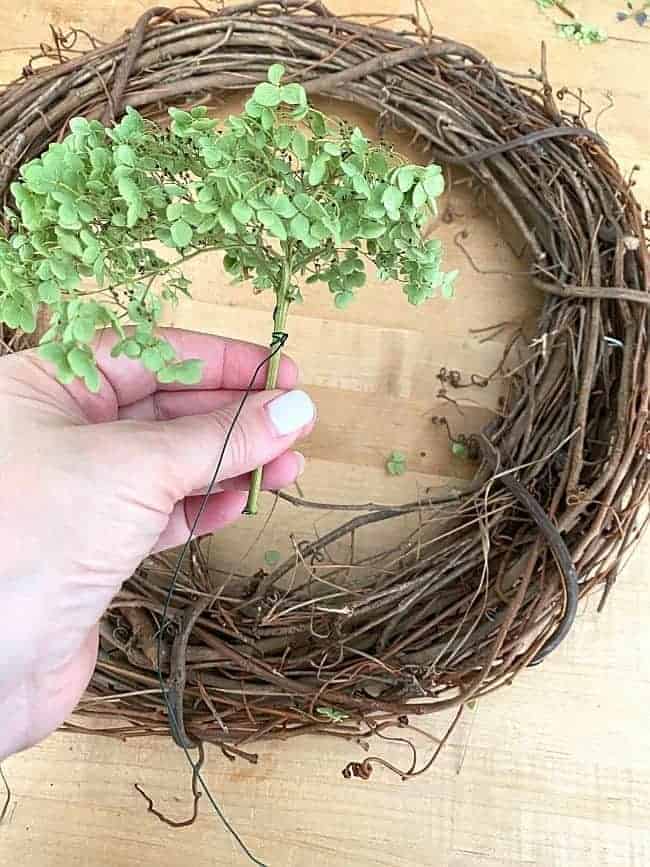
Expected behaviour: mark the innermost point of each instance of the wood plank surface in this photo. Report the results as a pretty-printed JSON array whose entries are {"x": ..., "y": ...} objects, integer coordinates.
[{"x": 555, "y": 770}]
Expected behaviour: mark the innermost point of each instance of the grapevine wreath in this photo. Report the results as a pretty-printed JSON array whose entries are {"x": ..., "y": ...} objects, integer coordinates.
[{"x": 490, "y": 582}]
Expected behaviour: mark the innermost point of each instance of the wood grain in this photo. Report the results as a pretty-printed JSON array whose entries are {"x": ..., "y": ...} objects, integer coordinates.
[{"x": 556, "y": 769}]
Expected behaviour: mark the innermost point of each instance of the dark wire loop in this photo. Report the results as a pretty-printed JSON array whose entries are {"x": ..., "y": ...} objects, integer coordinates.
[{"x": 279, "y": 338}]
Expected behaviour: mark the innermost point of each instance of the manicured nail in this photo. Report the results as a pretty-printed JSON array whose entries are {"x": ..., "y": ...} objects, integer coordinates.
[
  {"x": 291, "y": 411},
  {"x": 300, "y": 458}
]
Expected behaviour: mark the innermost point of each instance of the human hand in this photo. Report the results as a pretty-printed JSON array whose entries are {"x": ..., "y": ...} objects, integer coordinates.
[{"x": 90, "y": 484}]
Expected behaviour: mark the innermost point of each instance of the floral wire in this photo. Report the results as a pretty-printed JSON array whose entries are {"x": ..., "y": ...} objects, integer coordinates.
[
  {"x": 5, "y": 807},
  {"x": 278, "y": 341}
]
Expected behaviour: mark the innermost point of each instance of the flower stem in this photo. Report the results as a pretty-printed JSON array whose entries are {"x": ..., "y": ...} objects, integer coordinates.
[{"x": 279, "y": 326}]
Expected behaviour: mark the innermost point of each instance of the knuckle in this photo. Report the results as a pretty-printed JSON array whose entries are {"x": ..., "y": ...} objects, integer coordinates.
[
  {"x": 160, "y": 412},
  {"x": 235, "y": 438}
]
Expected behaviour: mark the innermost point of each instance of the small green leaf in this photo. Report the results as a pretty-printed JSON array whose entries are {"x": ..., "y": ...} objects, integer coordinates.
[
  {"x": 100, "y": 159},
  {"x": 167, "y": 374},
  {"x": 181, "y": 233},
  {"x": 49, "y": 292},
  {"x": 183, "y": 118},
  {"x": 351, "y": 167},
  {"x": 253, "y": 109},
  {"x": 132, "y": 215},
  {"x": 125, "y": 155},
  {"x": 434, "y": 185},
  {"x": 92, "y": 379},
  {"x": 152, "y": 359},
  {"x": 350, "y": 264},
  {"x": 52, "y": 352},
  {"x": 273, "y": 223},
  {"x": 371, "y": 229},
  {"x": 272, "y": 557},
  {"x": 83, "y": 329},
  {"x": 174, "y": 211},
  {"x": 332, "y": 713},
  {"x": 241, "y": 211},
  {"x": 355, "y": 280},
  {"x": 80, "y": 361},
  {"x": 189, "y": 372},
  {"x": 128, "y": 190},
  {"x": 86, "y": 211},
  {"x": 59, "y": 269},
  {"x": 99, "y": 271},
  {"x": 332, "y": 148},
  {"x": 44, "y": 271},
  {"x": 27, "y": 318},
  {"x": 275, "y": 73},
  {"x": 35, "y": 178},
  {"x": 416, "y": 293},
  {"x": 459, "y": 450},
  {"x": 319, "y": 230},
  {"x": 227, "y": 221},
  {"x": 185, "y": 372},
  {"x": 69, "y": 243},
  {"x": 268, "y": 95},
  {"x": 374, "y": 212},
  {"x": 10, "y": 312},
  {"x": 299, "y": 145},
  {"x": 419, "y": 196},
  {"x": 377, "y": 163},
  {"x": 316, "y": 123},
  {"x": 361, "y": 186},
  {"x": 392, "y": 199},
  {"x": 166, "y": 350},
  {"x": 283, "y": 135},
  {"x": 358, "y": 141},
  {"x": 317, "y": 171},
  {"x": 396, "y": 463},
  {"x": 293, "y": 94},
  {"x": 300, "y": 112},
  {"x": 231, "y": 264},
  {"x": 281, "y": 205},
  {"x": 267, "y": 119},
  {"x": 299, "y": 227},
  {"x": 64, "y": 374},
  {"x": 405, "y": 178},
  {"x": 447, "y": 285},
  {"x": 343, "y": 299},
  {"x": 79, "y": 124},
  {"x": 130, "y": 348},
  {"x": 69, "y": 216}
]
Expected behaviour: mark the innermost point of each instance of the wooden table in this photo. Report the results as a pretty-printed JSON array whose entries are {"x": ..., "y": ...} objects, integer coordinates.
[{"x": 553, "y": 771}]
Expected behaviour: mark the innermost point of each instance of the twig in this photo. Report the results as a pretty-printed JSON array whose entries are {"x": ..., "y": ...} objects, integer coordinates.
[
  {"x": 196, "y": 795},
  {"x": 7, "y": 801}
]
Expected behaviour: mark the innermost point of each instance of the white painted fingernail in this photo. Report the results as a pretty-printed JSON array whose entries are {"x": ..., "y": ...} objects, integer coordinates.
[{"x": 291, "y": 411}]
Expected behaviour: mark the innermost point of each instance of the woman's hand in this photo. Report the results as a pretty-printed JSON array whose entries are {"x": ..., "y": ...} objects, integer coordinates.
[{"x": 90, "y": 484}]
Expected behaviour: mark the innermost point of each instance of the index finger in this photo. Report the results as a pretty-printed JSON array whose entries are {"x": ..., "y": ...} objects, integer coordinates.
[{"x": 227, "y": 364}]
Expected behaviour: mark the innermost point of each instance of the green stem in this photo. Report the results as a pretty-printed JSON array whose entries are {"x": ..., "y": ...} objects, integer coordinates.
[{"x": 279, "y": 326}]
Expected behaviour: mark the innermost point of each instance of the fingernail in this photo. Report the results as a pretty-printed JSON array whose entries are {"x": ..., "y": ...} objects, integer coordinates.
[
  {"x": 291, "y": 411},
  {"x": 300, "y": 458}
]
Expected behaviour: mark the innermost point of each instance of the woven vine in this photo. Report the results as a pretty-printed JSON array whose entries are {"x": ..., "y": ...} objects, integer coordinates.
[{"x": 489, "y": 581}]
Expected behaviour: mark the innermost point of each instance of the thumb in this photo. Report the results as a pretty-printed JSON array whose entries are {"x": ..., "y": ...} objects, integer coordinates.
[{"x": 266, "y": 426}]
